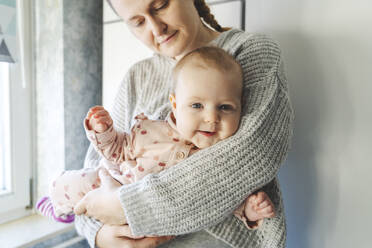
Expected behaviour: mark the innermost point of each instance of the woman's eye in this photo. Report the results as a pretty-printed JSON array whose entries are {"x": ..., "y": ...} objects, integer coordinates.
[
  {"x": 161, "y": 5},
  {"x": 226, "y": 107},
  {"x": 137, "y": 23},
  {"x": 196, "y": 105}
]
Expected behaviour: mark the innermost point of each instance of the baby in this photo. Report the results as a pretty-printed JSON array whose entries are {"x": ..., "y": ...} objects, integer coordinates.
[{"x": 206, "y": 106}]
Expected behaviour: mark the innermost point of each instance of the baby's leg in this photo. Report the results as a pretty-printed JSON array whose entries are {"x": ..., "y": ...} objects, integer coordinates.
[
  {"x": 70, "y": 187},
  {"x": 259, "y": 206}
]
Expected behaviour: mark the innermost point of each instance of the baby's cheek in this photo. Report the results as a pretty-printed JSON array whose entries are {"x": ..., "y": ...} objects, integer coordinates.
[
  {"x": 189, "y": 135},
  {"x": 185, "y": 131},
  {"x": 231, "y": 130}
]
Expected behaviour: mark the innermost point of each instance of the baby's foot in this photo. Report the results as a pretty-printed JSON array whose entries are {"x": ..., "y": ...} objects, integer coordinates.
[
  {"x": 45, "y": 207},
  {"x": 259, "y": 206}
]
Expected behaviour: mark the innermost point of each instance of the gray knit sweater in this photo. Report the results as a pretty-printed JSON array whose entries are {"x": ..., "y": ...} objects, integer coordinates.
[{"x": 202, "y": 191}]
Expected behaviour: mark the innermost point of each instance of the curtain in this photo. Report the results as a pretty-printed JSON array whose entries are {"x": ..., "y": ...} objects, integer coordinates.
[{"x": 8, "y": 27}]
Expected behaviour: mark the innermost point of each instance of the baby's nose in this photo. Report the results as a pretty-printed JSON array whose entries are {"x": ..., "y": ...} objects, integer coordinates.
[{"x": 211, "y": 116}]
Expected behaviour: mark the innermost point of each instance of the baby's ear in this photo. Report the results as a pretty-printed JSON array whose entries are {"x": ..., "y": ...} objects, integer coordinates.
[{"x": 172, "y": 99}]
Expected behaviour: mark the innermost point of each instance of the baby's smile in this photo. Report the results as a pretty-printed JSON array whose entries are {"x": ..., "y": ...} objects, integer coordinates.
[{"x": 206, "y": 133}]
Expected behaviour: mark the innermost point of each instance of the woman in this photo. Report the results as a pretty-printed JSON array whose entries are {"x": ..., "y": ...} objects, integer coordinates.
[{"x": 183, "y": 199}]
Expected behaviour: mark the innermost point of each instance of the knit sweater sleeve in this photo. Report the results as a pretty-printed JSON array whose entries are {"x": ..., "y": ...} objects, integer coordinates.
[{"x": 204, "y": 189}]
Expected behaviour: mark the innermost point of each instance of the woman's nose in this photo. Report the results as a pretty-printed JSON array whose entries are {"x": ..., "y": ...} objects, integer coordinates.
[{"x": 157, "y": 26}]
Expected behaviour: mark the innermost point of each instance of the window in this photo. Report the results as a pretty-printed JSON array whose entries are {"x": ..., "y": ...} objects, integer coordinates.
[
  {"x": 16, "y": 125},
  {"x": 4, "y": 129}
]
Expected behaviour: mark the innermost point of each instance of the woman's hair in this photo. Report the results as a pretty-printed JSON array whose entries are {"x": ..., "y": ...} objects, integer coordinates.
[{"x": 203, "y": 11}]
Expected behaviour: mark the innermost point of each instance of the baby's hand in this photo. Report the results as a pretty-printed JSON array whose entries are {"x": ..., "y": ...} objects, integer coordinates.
[
  {"x": 259, "y": 206},
  {"x": 98, "y": 119}
]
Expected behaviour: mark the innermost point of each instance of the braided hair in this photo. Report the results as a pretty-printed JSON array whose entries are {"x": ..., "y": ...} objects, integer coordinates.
[{"x": 205, "y": 13}]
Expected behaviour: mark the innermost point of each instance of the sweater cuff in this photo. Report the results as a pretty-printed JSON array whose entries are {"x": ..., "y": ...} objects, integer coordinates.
[
  {"x": 88, "y": 228},
  {"x": 99, "y": 139},
  {"x": 140, "y": 217}
]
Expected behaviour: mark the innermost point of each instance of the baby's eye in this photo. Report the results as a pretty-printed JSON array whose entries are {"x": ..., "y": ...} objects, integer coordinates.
[
  {"x": 196, "y": 105},
  {"x": 226, "y": 107}
]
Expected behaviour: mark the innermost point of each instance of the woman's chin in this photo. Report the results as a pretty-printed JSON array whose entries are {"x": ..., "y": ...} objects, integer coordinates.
[{"x": 171, "y": 52}]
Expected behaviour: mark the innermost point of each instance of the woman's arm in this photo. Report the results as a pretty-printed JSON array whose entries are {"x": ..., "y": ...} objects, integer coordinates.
[
  {"x": 202, "y": 190},
  {"x": 120, "y": 236}
]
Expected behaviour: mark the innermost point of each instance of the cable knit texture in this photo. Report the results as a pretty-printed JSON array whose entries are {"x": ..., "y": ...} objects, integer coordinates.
[{"x": 202, "y": 191}]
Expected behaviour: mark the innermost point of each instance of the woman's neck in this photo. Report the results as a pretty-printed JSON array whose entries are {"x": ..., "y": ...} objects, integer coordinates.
[
  {"x": 204, "y": 37},
  {"x": 207, "y": 35}
]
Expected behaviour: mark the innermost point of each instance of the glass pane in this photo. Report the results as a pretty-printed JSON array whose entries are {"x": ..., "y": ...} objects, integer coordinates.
[{"x": 4, "y": 129}]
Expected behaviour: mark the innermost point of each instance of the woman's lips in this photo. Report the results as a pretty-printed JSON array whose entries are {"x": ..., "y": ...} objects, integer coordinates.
[
  {"x": 208, "y": 134},
  {"x": 169, "y": 38}
]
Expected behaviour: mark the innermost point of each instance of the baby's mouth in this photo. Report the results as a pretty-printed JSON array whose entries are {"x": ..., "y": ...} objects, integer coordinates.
[{"x": 206, "y": 133}]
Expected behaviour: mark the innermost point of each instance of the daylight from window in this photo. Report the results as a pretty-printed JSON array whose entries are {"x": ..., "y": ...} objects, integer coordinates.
[{"x": 4, "y": 129}]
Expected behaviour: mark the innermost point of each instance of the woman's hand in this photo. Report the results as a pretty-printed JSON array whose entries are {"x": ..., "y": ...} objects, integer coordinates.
[
  {"x": 121, "y": 236},
  {"x": 103, "y": 203}
]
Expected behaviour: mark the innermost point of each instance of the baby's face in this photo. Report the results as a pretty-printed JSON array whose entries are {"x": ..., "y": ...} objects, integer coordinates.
[{"x": 207, "y": 104}]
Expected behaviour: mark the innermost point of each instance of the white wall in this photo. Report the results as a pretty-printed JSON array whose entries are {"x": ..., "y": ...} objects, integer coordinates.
[
  {"x": 120, "y": 51},
  {"x": 327, "y": 46}
]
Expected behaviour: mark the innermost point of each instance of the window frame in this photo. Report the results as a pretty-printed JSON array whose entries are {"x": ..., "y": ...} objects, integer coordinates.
[
  {"x": 4, "y": 127},
  {"x": 17, "y": 202}
]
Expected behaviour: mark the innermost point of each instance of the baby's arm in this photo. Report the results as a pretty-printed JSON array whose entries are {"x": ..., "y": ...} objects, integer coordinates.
[{"x": 111, "y": 144}]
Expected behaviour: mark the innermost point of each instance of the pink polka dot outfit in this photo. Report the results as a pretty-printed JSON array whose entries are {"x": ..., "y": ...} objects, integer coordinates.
[{"x": 151, "y": 146}]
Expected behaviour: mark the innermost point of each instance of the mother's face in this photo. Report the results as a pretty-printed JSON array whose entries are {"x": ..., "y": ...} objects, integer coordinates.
[{"x": 168, "y": 27}]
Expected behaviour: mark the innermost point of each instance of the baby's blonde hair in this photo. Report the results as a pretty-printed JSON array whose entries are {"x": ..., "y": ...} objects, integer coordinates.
[{"x": 207, "y": 57}]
